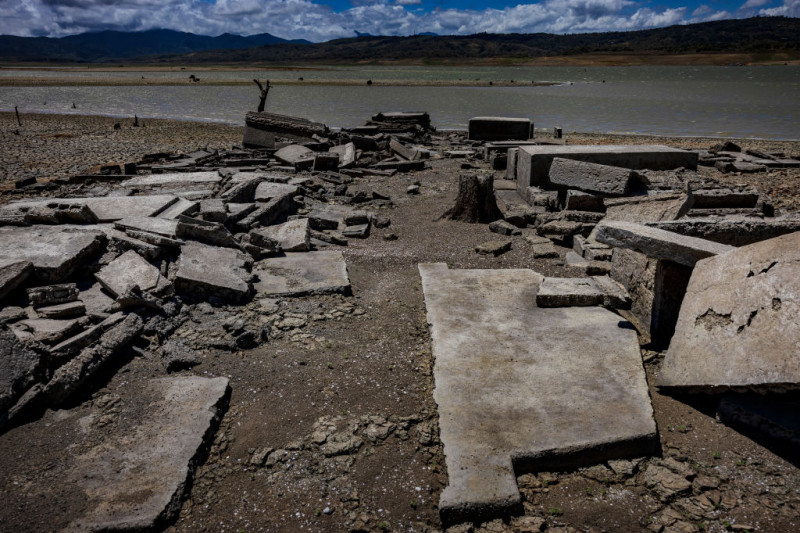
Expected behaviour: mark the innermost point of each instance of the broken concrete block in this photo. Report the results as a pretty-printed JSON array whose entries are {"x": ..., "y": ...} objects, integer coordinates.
[
  {"x": 131, "y": 269},
  {"x": 357, "y": 231},
  {"x": 177, "y": 356},
  {"x": 266, "y": 214},
  {"x": 559, "y": 387},
  {"x": 296, "y": 155},
  {"x": 502, "y": 227},
  {"x": 583, "y": 201},
  {"x": 256, "y": 138},
  {"x": 724, "y": 197},
  {"x": 159, "y": 226},
  {"x": 499, "y": 128},
  {"x": 738, "y": 325},
  {"x": 213, "y": 210},
  {"x": 176, "y": 180},
  {"x": 300, "y": 274},
  {"x": 242, "y": 187},
  {"x": 124, "y": 242},
  {"x": 732, "y": 230},
  {"x": 54, "y": 251},
  {"x": 66, "y": 310},
  {"x": 266, "y": 191},
  {"x": 407, "y": 153},
  {"x": 45, "y": 330},
  {"x": 211, "y": 271},
  {"x": 658, "y": 244},
  {"x": 211, "y": 233},
  {"x": 569, "y": 292},
  {"x": 20, "y": 367},
  {"x": 615, "y": 295},
  {"x": 589, "y": 177},
  {"x": 292, "y": 236},
  {"x": 533, "y": 163},
  {"x": 495, "y": 248},
  {"x": 12, "y": 274},
  {"x": 105, "y": 208},
  {"x": 52, "y": 294}
]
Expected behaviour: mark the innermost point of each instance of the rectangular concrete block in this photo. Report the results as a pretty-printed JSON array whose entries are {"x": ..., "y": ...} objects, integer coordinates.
[
  {"x": 589, "y": 177},
  {"x": 499, "y": 128},
  {"x": 299, "y": 274},
  {"x": 533, "y": 163}
]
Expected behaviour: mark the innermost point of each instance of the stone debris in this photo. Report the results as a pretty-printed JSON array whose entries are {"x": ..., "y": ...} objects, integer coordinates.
[
  {"x": 589, "y": 177},
  {"x": 131, "y": 269},
  {"x": 495, "y": 247},
  {"x": 292, "y": 236},
  {"x": 211, "y": 271},
  {"x": 52, "y": 294},
  {"x": 571, "y": 292},
  {"x": 299, "y": 274},
  {"x": 738, "y": 325}
]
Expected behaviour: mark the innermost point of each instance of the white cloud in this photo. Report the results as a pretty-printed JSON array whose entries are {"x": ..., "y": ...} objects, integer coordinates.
[
  {"x": 790, "y": 8},
  {"x": 314, "y": 21},
  {"x": 750, "y": 4}
]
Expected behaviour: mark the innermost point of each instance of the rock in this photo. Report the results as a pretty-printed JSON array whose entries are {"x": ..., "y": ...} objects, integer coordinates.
[
  {"x": 658, "y": 244},
  {"x": 131, "y": 269},
  {"x": 494, "y": 248},
  {"x": 292, "y": 236},
  {"x": 213, "y": 210},
  {"x": 504, "y": 228},
  {"x": 74, "y": 344},
  {"x": 123, "y": 242},
  {"x": 52, "y": 294},
  {"x": 724, "y": 197},
  {"x": 583, "y": 201},
  {"x": 20, "y": 367},
  {"x": 299, "y": 274},
  {"x": 360, "y": 231},
  {"x": 209, "y": 271},
  {"x": 136, "y": 478},
  {"x": 589, "y": 177},
  {"x": 65, "y": 310},
  {"x": 12, "y": 314},
  {"x": 665, "y": 483},
  {"x": 738, "y": 325},
  {"x": 177, "y": 356},
  {"x": 382, "y": 221},
  {"x": 54, "y": 252},
  {"x": 412, "y": 189},
  {"x": 559, "y": 387}
]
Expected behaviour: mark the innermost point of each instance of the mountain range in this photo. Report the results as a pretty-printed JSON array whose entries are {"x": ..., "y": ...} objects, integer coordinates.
[{"x": 772, "y": 36}]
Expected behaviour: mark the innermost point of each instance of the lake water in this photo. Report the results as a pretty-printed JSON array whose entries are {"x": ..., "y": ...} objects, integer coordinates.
[{"x": 759, "y": 102}]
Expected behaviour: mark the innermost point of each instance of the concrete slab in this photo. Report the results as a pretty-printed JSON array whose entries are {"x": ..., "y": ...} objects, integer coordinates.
[
  {"x": 54, "y": 251},
  {"x": 131, "y": 269},
  {"x": 19, "y": 368},
  {"x": 739, "y": 324},
  {"x": 45, "y": 330},
  {"x": 295, "y": 154},
  {"x": 569, "y": 292},
  {"x": 302, "y": 274},
  {"x": 499, "y": 129},
  {"x": 521, "y": 388},
  {"x": 12, "y": 273},
  {"x": 733, "y": 230},
  {"x": 135, "y": 477},
  {"x": 110, "y": 208},
  {"x": 533, "y": 162},
  {"x": 292, "y": 236},
  {"x": 266, "y": 191},
  {"x": 176, "y": 180},
  {"x": 160, "y": 226},
  {"x": 657, "y": 243},
  {"x": 211, "y": 271},
  {"x": 182, "y": 206},
  {"x": 589, "y": 177}
]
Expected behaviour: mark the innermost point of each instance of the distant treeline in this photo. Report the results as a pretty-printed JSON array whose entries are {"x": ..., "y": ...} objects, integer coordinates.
[{"x": 753, "y": 35}]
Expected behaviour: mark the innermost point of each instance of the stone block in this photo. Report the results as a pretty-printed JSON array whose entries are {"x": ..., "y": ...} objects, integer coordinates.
[
  {"x": 158, "y": 226},
  {"x": 211, "y": 271},
  {"x": 504, "y": 228},
  {"x": 589, "y": 177},
  {"x": 66, "y": 310},
  {"x": 131, "y": 269},
  {"x": 558, "y": 387},
  {"x": 499, "y": 128},
  {"x": 495, "y": 248},
  {"x": 292, "y": 236},
  {"x": 213, "y": 210},
  {"x": 511, "y": 164},
  {"x": 256, "y": 138},
  {"x": 739, "y": 322},
  {"x": 12, "y": 274},
  {"x": 656, "y": 243},
  {"x": 725, "y": 197},
  {"x": 533, "y": 163},
  {"x": 296, "y": 155},
  {"x": 569, "y": 292},
  {"x": 300, "y": 274},
  {"x": 583, "y": 201},
  {"x": 106, "y": 208},
  {"x": 732, "y": 230},
  {"x": 20, "y": 367},
  {"x": 175, "y": 180},
  {"x": 47, "y": 330},
  {"x": 266, "y": 191}
]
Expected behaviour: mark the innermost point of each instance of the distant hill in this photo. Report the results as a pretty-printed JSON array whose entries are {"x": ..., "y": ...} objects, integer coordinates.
[
  {"x": 759, "y": 34},
  {"x": 115, "y": 45}
]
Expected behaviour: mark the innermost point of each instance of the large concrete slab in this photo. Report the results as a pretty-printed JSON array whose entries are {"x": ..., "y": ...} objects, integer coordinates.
[
  {"x": 533, "y": 162},
  {"x": 521, "y": 388},
  {"x": 739, "y": 324},
  {"x": 212, "y": 271},
  {"x": 658, "y": 243},
  {"x": 135, "y": 477},
  {"x": 175, "y": 180},
  {"x": 54, "y": 251},
  {"x": 300, "y": 274},
  {"x": 589, "y": 177},
  {"x": 131, "y": 269},
  {"x": 110, "y": 208}
]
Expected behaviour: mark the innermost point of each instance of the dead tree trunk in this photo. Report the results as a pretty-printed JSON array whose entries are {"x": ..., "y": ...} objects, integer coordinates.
[
  {"x": 264, "y": 92},
  {"x": 475, "y": 201}
]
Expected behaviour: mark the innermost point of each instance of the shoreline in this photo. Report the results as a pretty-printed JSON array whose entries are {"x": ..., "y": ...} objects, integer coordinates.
[{"x": 161, "y": 82}]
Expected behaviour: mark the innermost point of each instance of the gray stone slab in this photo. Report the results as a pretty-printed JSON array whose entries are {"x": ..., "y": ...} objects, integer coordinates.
[
  {"x": 533, "y": 162},
  {"x": 569, "y": 292},
  {"x": 589, "y": 177},
  {"x": 739, "y": 324},
  {"x": 267, "y": 191},
  {"x": 211, "y": 271},
  {"x": 294, "y": 154},
  {"x": 19, "y": 369},
  {"x": 301, "y": 274},
  {"x": 160, "y": 226},
  {"x": 134, "y": 478},
  {"x": 66, "y": 310},
  {"x": 256, "y": 138},
  {"x": 124, "y": 242},
  {"x": 499, "y": 128},
  {"x": 45, "y": 330},
  {"x": 292, "y": 236},
  {"x": 12, "y": 273},
  {"x": 657, "y": 243},
  {"x": 131, "y": 269},
  {"x": 725, "y": 197},
  {"x": 732, "y": 230},
  {"x": 583, "y": 201},
  {"x": 521, "y": 387},
  {"x": 111, "y": 208},
  {"x": 173, "y": 180},
  {"x": 54, "y": 251},
  {"x": 182, "y": 206}
]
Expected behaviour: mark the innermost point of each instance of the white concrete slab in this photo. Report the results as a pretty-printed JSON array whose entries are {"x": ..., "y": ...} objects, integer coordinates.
[{"x": 300, "y": 274}]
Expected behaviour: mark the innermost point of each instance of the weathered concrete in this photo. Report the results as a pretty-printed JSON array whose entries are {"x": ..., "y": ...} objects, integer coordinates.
[
  {"x": 135, "y": 479},
  {"x": 255, "y": 138},
  {"x": 124, "y": 242},
  {"x": 176, "y": 180},
  {"x": 494, "y": 247},
  {"x": 266, "y": 191},
  {"x": 724, "y": 197},
  {"x": 212, "y": 233},
  {"x": 54, "y": 251},
  {"x": 211, "y": 271},
  {"x": 533, "y": 162},
  {"x": 108, "y": 208},
  {"x": 568, "y": 292},
  {"x": 131, "y": 269},
  {"x": 45, "y": 329},
  {"x": 499, "y": 129},
  {"x": 19, "y": 369},
  {"x": 52, "y": 294},
  {"x": 292, "y": 236},
  {"x": 160, "y": 226},
  {"x": 12, "y": 273},
  {"x": 583, "y": 201},
  {"x": 740, "y": 321},
  {"x": 657, "y": 243},
  {"x": 555, "y": 387},
  {"x": 732, "y": 230},
  {"x": 66, "y": 310},
  {"x": 301, "y": 274},
  {"x": 296, "y": 155},
  {"x": 182, "y": 206},
  {"x": 589, "y": 177}
]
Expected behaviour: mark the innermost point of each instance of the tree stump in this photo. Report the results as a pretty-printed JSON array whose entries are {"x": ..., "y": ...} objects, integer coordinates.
[{"x": 475, "y": 201}]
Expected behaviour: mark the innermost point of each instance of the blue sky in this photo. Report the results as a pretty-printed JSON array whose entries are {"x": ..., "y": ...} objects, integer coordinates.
[{"x": 321, "y": 20}]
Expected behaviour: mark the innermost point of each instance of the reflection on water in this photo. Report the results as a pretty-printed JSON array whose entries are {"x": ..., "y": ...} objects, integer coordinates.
[{"x": 698, "y": 101}]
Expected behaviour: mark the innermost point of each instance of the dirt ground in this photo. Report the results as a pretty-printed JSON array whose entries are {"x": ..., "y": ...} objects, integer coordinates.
[{"x": 364, "y": 361}]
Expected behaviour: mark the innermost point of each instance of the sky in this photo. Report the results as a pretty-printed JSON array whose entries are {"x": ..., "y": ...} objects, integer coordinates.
[{"x": 322, "y": 20}]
